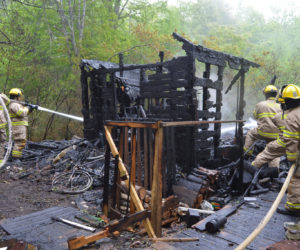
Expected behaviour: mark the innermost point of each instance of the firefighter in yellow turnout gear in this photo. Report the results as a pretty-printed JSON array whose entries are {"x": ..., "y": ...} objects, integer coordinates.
[
  {"x": 3, "y": 125},
  {"x": 264, "y": 113},
  {"x": 19, "y": 118},
  {"x": 274, "y": 149},
  {"x": 291, "y": 141}
]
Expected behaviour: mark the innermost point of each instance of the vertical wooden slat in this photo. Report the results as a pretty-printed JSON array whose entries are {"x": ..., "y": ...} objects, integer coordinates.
[
  {"x": 126, "y": 154},
  {"x": 240, "y": 130},
  {"x": 150, "y": 156},
  {"x": 118, "y": 183},
  {"x": 217, "y": 127},
  {"x": 106, "y": 180},
  {"x": 133, "y": 164},
  {"x": 138, "y": 204},
  {"x": 138, "y": 157},
  {"x": 156, "y": 200},
  {"x": 146, "y": 162}
]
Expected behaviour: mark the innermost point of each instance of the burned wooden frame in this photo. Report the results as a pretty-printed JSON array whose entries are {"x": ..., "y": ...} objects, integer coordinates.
[
  {"x": 165, "y": 91},
  {"x": 158, "y": 170}
]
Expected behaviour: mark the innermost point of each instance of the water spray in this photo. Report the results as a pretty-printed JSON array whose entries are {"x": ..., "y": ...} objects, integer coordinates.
[{"x": 73, "y": 117}]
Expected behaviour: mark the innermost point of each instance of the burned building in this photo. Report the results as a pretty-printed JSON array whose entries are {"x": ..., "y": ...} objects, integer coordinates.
[{"x": 166, "y": 90}]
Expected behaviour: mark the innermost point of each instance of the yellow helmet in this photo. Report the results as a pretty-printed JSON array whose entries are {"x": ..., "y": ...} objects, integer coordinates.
[
  {"x": 291, "y": 91},
  {"x": 16, "y": 92},
  {"x": 270, "y": 89}
]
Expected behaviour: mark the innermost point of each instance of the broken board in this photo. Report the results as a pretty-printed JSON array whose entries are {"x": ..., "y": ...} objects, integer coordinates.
[{"x": 39, "y": 229}]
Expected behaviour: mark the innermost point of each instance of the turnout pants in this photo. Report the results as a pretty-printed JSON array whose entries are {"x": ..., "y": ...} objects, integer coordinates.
[
  {"x": 293, "y": 195},
  {"x": 270, "y": 155},
  {"x": 253, "y": 136},
  {"x": 19, "y": 133}
]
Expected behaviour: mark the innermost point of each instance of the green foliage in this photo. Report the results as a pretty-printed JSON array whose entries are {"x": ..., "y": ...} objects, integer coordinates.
[{"x": 43, "y": 41}]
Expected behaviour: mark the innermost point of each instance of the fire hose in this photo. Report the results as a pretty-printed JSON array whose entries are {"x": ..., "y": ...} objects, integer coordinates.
[
  {"x": 270, "y": 213},
  {"x": 9, "y": 147}
]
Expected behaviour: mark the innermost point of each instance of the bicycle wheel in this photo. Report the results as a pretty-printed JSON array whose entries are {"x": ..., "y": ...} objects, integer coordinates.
[{"x": 72, "y": 183}]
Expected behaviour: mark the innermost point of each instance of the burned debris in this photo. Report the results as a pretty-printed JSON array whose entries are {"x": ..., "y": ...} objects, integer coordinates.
[{"x": 153, "y": 143}]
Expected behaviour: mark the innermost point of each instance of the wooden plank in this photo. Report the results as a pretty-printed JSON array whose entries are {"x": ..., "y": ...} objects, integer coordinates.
[
  {"x": 133, "y": 193},
  {"x": 208, "y": 83},
  {"x": 208, "y": 114},
  {"x": 126, "y": 149},
  {"x": 106, "y": 180},
  {"x": 146, "y": 157},
  {"x": 205, "y": 134},
  {"x": 159, "y": 76},
  {"x": 169, "y": 94},
  {"x": 138, "y": 157},
  {"x": 150, "y": 140},
  {"x": 133, "y": 164},
  {"x": 167, "y": 84},
  {"x": 118, "y": 183},
  {"x": 131, "y": 124},
  {"x": 156, "y": 200},
  {"x": 172, "y": 75}
]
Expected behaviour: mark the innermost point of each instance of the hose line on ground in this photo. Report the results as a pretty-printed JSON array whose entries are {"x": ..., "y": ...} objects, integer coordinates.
[
  {"x": 9, "y": 147},
  {"x": 270, "y": 213}
]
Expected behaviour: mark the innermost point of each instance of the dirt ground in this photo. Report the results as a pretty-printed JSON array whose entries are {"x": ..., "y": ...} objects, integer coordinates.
[{"x": 22, "y": 193}]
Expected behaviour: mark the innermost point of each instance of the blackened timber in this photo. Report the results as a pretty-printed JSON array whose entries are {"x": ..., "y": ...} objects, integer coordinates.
[
  {"x": 151, "y": 155},
  {"x": 205, "y": 134},
  {"x": 149, "y": 86},
  {"x": 169, "y": 94},
  {"x": 189, "y": 184},
  {"x": 167, "y": 76},
  {"x": 208, "y": 83},
  {"x": 146, "y": 160},
  {"x": 213, "y": 57},
  {"x": 203, "y": 144},
  {"x": 217, "y": 127},
  {"x": 240, "y": 130},
  {"x": 106, "y": 180},
  {"x": 138, "y": 157},
  {"x": 208, "y": 114}
]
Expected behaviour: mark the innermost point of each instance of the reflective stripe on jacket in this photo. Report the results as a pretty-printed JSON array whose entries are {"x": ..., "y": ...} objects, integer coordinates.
[
  {"x": 264, "y": 113},
  {"x": 18, "y": 114},
  {"x": 291, "y": 133}
]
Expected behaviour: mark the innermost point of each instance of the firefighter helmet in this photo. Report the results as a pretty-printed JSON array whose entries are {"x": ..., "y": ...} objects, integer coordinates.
[
  {"x": 291, "y": 91},
  {"x": 16, "y": 92},
  {"x": 270, "y": 89},
  {"x": 279, "y": 97}
]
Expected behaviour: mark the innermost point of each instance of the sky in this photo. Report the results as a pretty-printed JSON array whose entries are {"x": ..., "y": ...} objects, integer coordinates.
[{"x": 266, "y": 7}]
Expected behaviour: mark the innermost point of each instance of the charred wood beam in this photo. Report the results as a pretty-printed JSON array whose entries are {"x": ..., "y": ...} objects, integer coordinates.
[
  {"x": 214, "y": 57},
  {"x": 208, "y": 114},
  {"x": 156, "y": 85},
  {"x": 208, "y": 83},
  {"x": 240, "y": 129},
  {"x": 235, "y": 78},
  {"x": 217, "y": 127}
]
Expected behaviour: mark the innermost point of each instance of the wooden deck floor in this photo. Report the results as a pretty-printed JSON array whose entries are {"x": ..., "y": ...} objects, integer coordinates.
[{"x": 239, "y": 226}]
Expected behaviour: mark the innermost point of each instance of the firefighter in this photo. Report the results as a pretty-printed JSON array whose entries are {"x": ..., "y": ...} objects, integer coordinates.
[
  {"x": 19, "y": 117},
  {"x": 3, "y": 125},
  {"x": 263, "y": 113},
  {"x": 274, "y": 149},
  {"x": 291, "y": 140}
]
